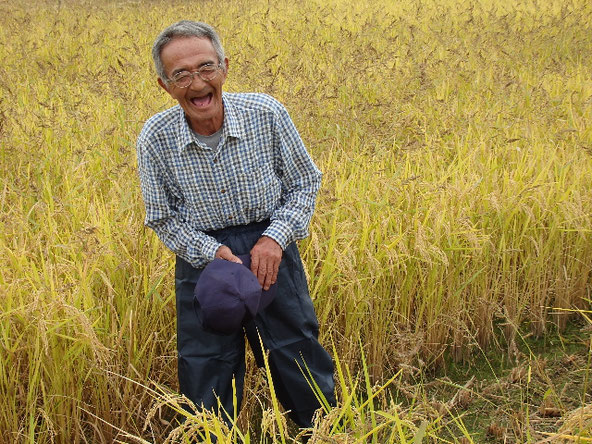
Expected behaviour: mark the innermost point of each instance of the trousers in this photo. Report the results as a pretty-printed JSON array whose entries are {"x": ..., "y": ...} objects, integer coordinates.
[{"x": 288, "y": 329}]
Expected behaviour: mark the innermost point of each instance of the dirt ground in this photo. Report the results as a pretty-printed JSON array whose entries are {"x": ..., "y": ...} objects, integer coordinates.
[{"x": 536, "y": 390}]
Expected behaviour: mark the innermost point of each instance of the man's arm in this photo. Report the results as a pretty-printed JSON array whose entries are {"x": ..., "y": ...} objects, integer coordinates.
[
  {"x": 192, "y": 245},
  {"x": 301, "y": 180}
]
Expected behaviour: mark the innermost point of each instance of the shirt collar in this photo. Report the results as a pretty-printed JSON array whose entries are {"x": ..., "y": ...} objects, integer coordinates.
[
  {"x": 184, "y": 136},
  {"x": 232, "y": 126}
]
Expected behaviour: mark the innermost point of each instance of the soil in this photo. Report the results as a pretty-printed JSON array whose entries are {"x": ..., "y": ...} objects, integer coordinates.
[{"x": 536, "y": 390}]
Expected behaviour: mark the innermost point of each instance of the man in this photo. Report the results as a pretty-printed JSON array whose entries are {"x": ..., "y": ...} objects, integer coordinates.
[{"x": 224, "y": 175}]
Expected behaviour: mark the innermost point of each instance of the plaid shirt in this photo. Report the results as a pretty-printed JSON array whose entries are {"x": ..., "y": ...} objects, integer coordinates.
[{"x": 260, "y": 170}]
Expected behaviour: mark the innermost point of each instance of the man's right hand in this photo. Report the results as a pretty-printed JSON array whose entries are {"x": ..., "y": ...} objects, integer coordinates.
[{"x": 226, "y": 253}]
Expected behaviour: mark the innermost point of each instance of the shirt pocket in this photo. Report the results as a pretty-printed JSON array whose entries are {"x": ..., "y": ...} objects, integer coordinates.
[{"x": 259, "y": 191}]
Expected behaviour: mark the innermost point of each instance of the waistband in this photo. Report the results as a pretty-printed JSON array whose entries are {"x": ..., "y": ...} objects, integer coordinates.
[{"x": 238, "y": 229}]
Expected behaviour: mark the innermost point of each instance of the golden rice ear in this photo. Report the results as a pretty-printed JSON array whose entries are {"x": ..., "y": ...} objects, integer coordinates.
[{"x": 453, "y": 221}]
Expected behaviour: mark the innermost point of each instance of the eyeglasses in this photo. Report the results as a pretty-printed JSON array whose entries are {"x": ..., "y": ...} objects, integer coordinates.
[{"x": 185, "y": 78}]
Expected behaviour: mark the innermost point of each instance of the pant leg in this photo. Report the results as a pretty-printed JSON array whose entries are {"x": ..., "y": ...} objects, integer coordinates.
[
  {"x": 207, "y": 362},
  {"x": 288, "y": 328},
  {"x": 289, "y": 331}
]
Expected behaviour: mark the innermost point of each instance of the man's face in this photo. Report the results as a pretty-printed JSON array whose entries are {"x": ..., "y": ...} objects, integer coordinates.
[{"x": 201, "y": 101}]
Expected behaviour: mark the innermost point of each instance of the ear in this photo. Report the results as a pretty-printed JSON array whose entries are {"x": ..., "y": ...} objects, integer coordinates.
[
  {"x": 225, "y": 73},
  {"x": 164, "y": 86}
]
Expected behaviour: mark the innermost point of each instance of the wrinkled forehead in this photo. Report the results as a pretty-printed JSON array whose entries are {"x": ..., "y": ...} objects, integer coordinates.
[{"x": 187, "y": 53}]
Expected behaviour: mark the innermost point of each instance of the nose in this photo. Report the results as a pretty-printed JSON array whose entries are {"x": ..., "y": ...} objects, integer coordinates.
[{"x": 195, "y": 75}]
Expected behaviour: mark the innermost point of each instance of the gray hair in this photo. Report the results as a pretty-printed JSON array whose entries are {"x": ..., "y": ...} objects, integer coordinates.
[{"x": 184, "y": 28}]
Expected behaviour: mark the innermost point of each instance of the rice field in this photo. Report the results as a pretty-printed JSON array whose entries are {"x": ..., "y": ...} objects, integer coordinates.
[{"x": 454, "y": 219}]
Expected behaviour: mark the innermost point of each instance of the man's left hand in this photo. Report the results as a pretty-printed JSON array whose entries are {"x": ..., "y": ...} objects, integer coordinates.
[{"x": 266, "y": 256}]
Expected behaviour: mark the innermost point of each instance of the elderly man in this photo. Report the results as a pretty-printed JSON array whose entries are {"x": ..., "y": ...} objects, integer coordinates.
[{"x": 224, "y": 175}]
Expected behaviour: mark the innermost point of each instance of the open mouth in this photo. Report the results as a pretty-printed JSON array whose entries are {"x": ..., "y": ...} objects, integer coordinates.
[{"x": 201, "y": 102}]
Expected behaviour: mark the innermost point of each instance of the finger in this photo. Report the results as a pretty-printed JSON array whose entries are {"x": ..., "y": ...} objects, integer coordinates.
[
  {"x": 232, "y": 258},
  {"x": 235, "y": 259},
  {"x": 267, "y": 279},
  {"x": 255, "y": 265},
  {"x": 271, "y": 277},
  {"x": 262, "y": 271},
  {"x": 226, "y": 253},
  {"x": 276, "y": 270}
]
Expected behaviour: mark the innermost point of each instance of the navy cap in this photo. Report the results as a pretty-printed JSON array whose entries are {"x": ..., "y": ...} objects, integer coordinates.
[{"x": 229, "y": 294}]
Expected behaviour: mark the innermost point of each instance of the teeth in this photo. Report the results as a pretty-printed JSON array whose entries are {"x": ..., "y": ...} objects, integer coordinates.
[{"x": 201, "y": 101}]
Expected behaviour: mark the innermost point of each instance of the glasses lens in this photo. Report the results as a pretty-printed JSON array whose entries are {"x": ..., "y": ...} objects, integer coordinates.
[
  {"x": 182, "y": 80},
  {"x": 208, "y": 72}
]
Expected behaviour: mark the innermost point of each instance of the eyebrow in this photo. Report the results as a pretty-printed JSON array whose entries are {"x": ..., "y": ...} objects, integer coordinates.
[{"x": 178, "y": 70}]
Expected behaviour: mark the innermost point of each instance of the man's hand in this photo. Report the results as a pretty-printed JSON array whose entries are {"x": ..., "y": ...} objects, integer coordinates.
[
  {"x": 266, "y": 256},
  {"x": 225, "y": 253}
]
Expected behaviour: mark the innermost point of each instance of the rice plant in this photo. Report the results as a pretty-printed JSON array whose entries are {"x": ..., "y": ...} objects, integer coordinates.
[{"x": 454, "y": 216}]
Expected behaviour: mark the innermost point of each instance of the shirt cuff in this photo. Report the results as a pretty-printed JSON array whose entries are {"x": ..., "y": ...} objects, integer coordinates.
[
  {"x": 207, "y": 251},
  {"x": 279, "y": 232}
]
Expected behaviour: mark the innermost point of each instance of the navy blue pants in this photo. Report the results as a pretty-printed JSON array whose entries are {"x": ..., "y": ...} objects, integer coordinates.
[{"x": 288, "y": 328}]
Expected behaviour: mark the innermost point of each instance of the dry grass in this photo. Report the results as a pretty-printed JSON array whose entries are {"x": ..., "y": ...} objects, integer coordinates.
[{"x": 455, "y": 140}]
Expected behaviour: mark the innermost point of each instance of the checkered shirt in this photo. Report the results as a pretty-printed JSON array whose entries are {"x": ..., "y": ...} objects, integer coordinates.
[{"x": 260, "y": 170}]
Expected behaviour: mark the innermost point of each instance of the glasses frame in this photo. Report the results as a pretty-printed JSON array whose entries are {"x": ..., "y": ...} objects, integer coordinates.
[{"x": 198, "y": 72}]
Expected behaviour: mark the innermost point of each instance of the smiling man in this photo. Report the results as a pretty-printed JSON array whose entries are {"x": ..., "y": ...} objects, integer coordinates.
[
  {"x": 202, "y": 101},
  {"x": 224, "y": 175}
]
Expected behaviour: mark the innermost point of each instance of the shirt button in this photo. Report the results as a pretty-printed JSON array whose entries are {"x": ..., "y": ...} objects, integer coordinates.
[
  {"x": 223, "y": 191},
  {"x": 215, "y": 160}
]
